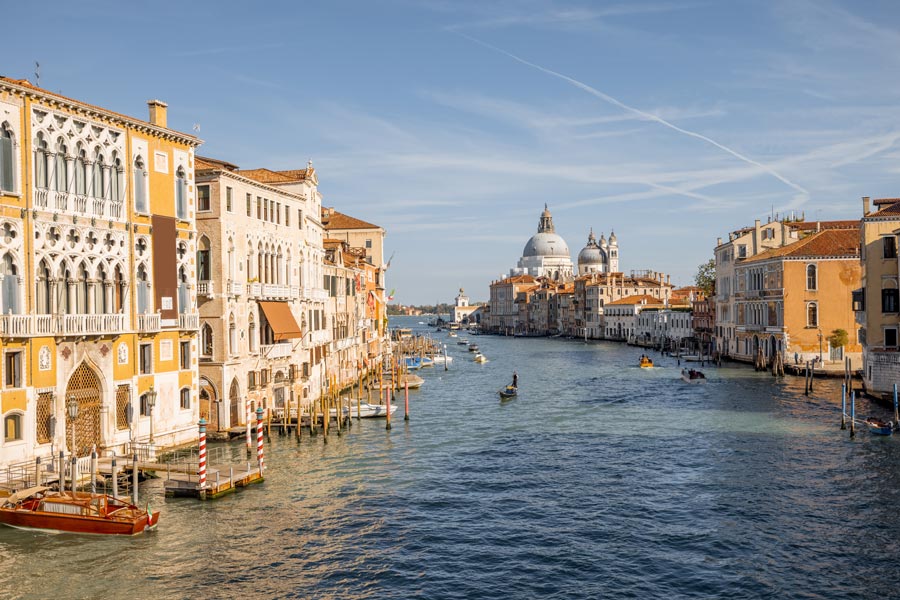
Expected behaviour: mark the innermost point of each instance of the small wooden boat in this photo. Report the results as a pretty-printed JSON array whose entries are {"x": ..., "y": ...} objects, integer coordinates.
[
  {"x": 693, "y": 377},
  {"x": 41, "y": 509},
  {"x": 879, "y": 426},
  {"x": 366, "y": 410},
  {"x": 480, "y": 358},
  {"x": 646, "y": 363},
  {"x": 509, "y": 392}
]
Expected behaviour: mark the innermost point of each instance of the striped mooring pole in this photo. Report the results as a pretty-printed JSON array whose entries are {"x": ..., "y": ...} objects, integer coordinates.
[
  {"x": 259, "y": 439},
  {"x": 201, "y": 473}
]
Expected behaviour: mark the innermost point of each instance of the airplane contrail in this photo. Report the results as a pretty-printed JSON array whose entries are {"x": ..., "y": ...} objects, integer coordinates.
[{"x": 644, "y": 115}]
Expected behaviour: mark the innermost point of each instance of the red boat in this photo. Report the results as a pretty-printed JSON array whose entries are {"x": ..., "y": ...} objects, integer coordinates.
[{"x": 39, "y": 508}]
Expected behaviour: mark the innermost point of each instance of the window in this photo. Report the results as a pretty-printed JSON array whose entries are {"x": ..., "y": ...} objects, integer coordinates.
[
  {"x": 185, "y": 398},
  {"x": 145, "y": 406},
  {"x": 41, "y": 158},
  {"x": 203, "y": 197},
  {"x": 369, "y": 244},
  {"x": 249, "y": 205},
  {"x": 890, "y": 246},
  {"x": 81, "y": 175},
  {"x": 229, "y": 199},
  {"x": 232, "y": 336},
  {"x": 145, "y": 358},
  {"x": 287, "y": 216},
  {"x": 299, "y": 219},
  {"x": 204, "y": 267},
  {"x": 185, "y": 354},
  {"x": 98, "y": 177},
  {"x": 259, "y": 207},
  {"x": 12, "y": 369},
  {"x": 812, "y": 314},
  {"x": 812, "y": 277},
  {"x": 278, "y": 213},
  {"x": 9, "y": 287},
  {"x": 742, "y": 251},
  {"x": 890, "y": 300},
  {"x": 890, "y": 337},
  {"x": 12, "y": 428},
  {"x": 265, "y": 209},
  {"x": 180, "y": 193},
  {"x": 7, "y": 160},
  {"x": 206, "y": 340},
  {"x": 251, "y": 380}
]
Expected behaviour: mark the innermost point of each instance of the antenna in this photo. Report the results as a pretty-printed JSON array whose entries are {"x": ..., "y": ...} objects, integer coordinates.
[
  {"x": 37, "y": 73},
  {"x": 196, "y": 127}
]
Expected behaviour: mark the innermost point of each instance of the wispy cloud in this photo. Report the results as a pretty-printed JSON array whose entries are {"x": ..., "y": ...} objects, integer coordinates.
[{"x": 803, "y": 193}]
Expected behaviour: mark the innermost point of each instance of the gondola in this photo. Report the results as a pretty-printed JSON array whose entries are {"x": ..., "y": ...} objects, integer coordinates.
[{"x": 509, "y": 392}]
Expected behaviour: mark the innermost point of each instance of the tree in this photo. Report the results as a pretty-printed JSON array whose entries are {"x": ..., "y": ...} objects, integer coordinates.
[
  {"x": 838, "y": 338},
  {"x": 705, "y": 279}
]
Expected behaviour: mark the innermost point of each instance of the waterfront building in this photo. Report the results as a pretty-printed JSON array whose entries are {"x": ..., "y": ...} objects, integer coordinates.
[
  {"x": 594, "y": 291},
  {"x": 620, "y": 316},
  {"x": 877, "y": 301},
  {"x": 703, "y": 323},
  {"x": 668, "y": 326},
  {"x": 789, "y": 300},
  {"x": 260, "y": 290},
  {"x": 98, "y": 277},
  {"x": 741, "y": 245},
  {"x": 461, "y": 308},
  {"x": 504, "y": 312}
]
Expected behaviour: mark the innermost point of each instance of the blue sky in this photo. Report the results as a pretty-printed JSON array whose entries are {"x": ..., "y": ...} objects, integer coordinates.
[{"x": 451, "y": 122}]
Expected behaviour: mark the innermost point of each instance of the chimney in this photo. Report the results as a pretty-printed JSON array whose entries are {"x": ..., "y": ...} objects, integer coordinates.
[
  {"x": 818, "y": 226},
  {"x": 865, "y": 206},
  {"x": 668, "y": 279},
  {"x": 718, "y": 241},
  {"x": 158, "y": 112}
]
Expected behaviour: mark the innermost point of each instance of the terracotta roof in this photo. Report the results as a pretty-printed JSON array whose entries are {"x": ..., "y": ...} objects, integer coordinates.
[
  {"x": 638, "y": 299},
  {"x": 332, "y": 219},
  {"x": 204, "y": 162},
  {"x": 824, "y": 244},
  {"x": 813, "y": 225},
  {"x": 266, "y": 176},
  {"x": 883, "y": 201},
  {"x": 888, "y": 211},
  {"x": 27, "y": 84},
  {"x": 518, "y": 279}
]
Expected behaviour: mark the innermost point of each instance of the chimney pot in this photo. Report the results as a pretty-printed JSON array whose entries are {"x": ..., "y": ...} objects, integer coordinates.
[
  {"x": 158, "y": 115},
  {"x": 865, "y": 206}
]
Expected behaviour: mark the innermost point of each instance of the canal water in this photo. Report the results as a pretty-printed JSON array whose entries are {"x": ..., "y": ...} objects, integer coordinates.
[{"x": 600, "y": 480}]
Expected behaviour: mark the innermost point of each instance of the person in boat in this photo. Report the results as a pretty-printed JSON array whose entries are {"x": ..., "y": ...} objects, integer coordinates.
[{"x": 515, "y": 382}]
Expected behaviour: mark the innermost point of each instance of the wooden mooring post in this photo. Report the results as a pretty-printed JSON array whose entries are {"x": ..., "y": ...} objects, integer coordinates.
[
  {"x": 853, "y": 413},
  {"x": 843, "y": 406}
]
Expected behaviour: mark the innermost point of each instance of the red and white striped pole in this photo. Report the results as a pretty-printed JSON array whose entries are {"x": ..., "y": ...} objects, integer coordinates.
[
  {"x": 259, "y": 439},
  {"x": 202, "y": 454}
]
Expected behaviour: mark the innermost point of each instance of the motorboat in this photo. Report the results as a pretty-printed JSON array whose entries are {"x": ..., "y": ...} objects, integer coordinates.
[
  {"x": 480, "y": 358},
  {"x": 473, "y": 347},
  {"x": 440, "y": 359},
  {"x": 692, "y": 376},
  {"x": 41, "y": 509},
  {"x": 366, "y": 410},
  {"x": 646, "y": 362},
  {"x": 879, "y": 427}
]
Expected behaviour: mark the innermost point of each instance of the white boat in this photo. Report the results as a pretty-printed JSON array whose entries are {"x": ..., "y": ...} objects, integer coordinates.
[
  {"x": 366, "y": 410},
  {"x": 480, "y": 358},
  {"x": 440, "y": 359}
]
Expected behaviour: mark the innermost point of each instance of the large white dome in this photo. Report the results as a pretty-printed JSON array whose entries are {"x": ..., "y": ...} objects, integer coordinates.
[{"x": 546, "y": 244}]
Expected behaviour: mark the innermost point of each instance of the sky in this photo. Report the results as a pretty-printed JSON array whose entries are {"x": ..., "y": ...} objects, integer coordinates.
[{"x": 451, "y": 123}]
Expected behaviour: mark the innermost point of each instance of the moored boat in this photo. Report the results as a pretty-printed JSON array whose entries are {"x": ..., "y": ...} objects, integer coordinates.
[
  {"x": 366, "y": 410},
  {"x": 879, "y": 426},
  {"x": 41, "y": 509},
  {"x": 440, "y": 359}
]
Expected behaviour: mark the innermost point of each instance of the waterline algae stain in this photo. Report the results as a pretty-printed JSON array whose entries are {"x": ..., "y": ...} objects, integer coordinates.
[{"x": 601, "y": 480}]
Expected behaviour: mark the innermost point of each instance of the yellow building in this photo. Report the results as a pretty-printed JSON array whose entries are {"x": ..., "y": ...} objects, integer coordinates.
[
  {"x": 877, "y": 302},
  {"x": 789, "y": 300},
  {"x": 98, "y": 272}
]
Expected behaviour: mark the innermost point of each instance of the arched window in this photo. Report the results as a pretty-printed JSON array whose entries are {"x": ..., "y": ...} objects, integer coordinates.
[
  {"x": 118, "y": 290},
  {"x": 61, "y": 168},
  {"x": 180, "y": 193},
  {"x": 43, "y": 288},
  {"x": 143, "y": 291},
  {"x": 184, "y": 293},
  {"x": 41, "y": 161},
  {"x": 812, "y": 314},
  {"x": 204, "y": 269},
  {"x": 12, "y": 428},
  {"x": 254, "y": 340},
  {"x": 232, "y": 336},
  {"x": 185, "y": 396},
  {"x": 82, "y": 291},
  {"x": 115, "y": 180},
  {"x": 81, "y": 172},
  {"x": 206, "y": 340},
  {"x": 140, "y": 185},
  {"x": 101, "y": 305},
  {"x": 812, "y": 277},
  {"x": 10, "y": 287},
  {"x": 63, "y": 298},
  {"x": 7, "y": 159}
]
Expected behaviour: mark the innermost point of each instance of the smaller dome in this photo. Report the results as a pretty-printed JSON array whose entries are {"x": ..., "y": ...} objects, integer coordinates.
[
  {"x": 591, "y": 254},
  {"x": 612, "y": 237}
]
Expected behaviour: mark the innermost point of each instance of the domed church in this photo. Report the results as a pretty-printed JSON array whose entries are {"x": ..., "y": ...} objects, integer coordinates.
[
  {"x": 602, "y": 257},
  {"x": 546, "y": 253}
]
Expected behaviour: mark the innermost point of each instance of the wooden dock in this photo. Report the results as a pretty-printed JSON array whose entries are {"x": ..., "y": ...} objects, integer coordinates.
[{"x": 182, "y": 479}]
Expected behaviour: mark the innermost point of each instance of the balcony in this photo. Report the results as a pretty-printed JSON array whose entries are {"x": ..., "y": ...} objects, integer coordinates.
[
  {"x": 316, "y": 294},
  {"x": 205, "y": 288},
  {"x": 275, "y": 291},
  {"x": 189, "y": 321},
  {"x": 295, "y": 291},
  {"x": 276, "y": 350},
  {"x": 62, "y": 325},
  {"x": 235, "y": 289},
  {"x": 148, "y": 323},
  {"x": 254, "y": 290}
]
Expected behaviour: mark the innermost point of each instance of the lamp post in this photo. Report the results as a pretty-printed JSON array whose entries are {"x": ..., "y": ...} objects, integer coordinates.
[
  {"x": 820, "y": 346},
  {"x": 151, "y": 404},
  {"x": 72, "y": 409}
]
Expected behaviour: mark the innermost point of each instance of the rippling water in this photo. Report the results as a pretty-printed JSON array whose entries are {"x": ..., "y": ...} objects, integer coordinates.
[{"x": 599, "y": 480}]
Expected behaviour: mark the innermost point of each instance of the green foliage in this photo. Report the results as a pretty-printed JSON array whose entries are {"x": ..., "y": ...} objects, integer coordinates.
[
  {"x": 838, "y": 338},
  {"x": 705, "y": 279}
]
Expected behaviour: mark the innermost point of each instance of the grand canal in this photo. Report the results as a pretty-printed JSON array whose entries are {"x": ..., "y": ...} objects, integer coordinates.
[{"x": 599, "y": 480}]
